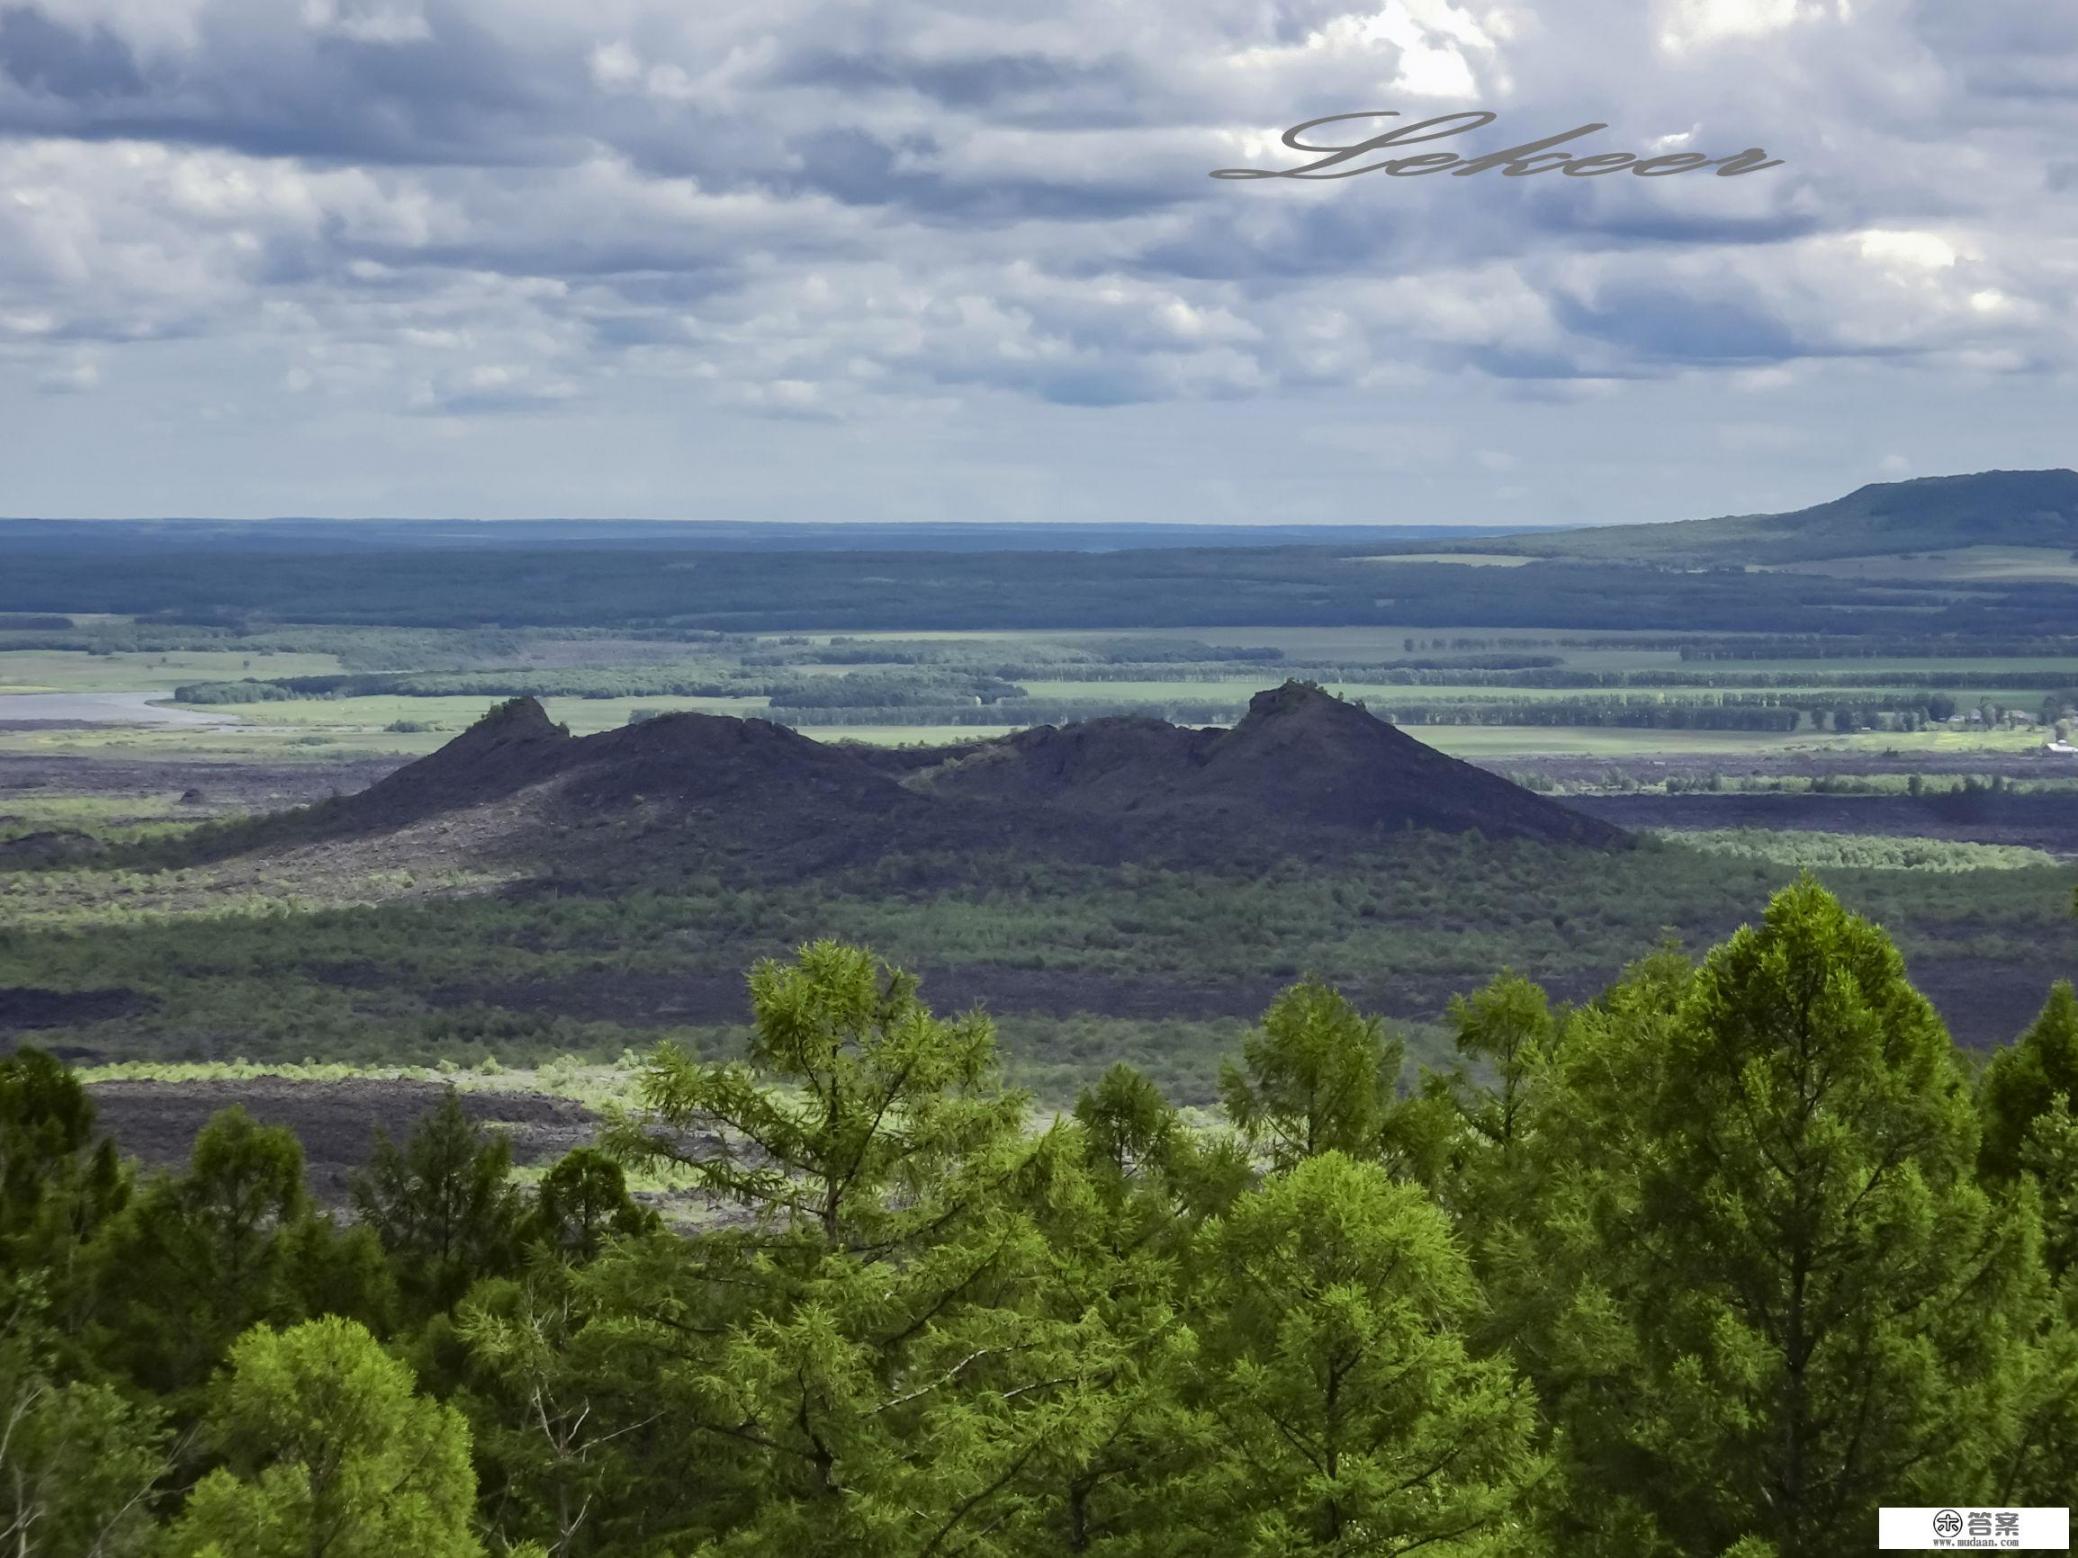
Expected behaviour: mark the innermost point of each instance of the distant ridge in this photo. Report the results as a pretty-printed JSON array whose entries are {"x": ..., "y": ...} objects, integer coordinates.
[
  {"x": 291, "y": 535},
  {"x": 1925, "y": 514},
  {"x": 1302, "y": 774}
]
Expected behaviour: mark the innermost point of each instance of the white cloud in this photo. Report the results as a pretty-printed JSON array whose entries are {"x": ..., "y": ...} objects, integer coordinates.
[
  {"x": 1692, "y": 24},
  {"x": 1907, "y": 250},
  {"x": 1435, "y": 48},
  {"x": 362, "y": 23},
  {"x": 615, "y": 65},
  {"x": 74, "y": 375}
]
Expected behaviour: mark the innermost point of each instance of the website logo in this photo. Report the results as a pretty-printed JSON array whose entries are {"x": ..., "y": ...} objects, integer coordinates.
[{"x": 1960, "y": 1528}]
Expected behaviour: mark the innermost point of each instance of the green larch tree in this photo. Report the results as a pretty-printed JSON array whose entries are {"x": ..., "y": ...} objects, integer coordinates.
[
  {"x": 1318, "y": 1076},
  {"x": 199, "y": 1257},
  {"x": 2024, "y": 1081},
  {"x": 59, "y": 1183},
  {"x": 1349, "y": 1417},
  {"x": 581, "y": 1203},
  {"x": 1801, "y": 1304},
  {"x": 442, "y": 1205},
  {"x": 79, "y": 1459},
  {"x": 328, "y": 1450},
  {"x": 867, "y": 1358}
]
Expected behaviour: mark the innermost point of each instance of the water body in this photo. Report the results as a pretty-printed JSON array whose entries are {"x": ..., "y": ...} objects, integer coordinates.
[{"x": 98, "y": 708}]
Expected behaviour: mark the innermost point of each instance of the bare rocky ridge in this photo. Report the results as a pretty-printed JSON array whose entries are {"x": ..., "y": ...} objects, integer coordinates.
[{"x": 1302, "y": 774}]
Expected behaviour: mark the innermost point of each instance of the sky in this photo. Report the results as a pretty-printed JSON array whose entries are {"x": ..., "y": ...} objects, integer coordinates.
[{"x": 931, "y": 260}]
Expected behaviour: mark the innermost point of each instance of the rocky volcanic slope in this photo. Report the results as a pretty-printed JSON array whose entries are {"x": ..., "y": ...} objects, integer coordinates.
[
  {"x": 1303, "y": 773},
  {"x": 1300, "y": 760}
]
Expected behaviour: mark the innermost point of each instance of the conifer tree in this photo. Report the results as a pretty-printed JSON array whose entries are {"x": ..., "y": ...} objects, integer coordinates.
[
  {"x": 199, "y": 1257},
  {"x": 1350, "y": 1418},
  {"x": 79, "y": 1459},
  {"x": 581, "y": 1203},
  {"x": 859, "y": 1119},
  {"x": 442, "y": 1206},
  {"x": 575, "y": 1449},
  {"x": 1802, "y": 1303},
  {"x": 869, "y": 1358},
  {"x": 1506, "y": 1030},
  {"x": 2024, "y": 1081},
  {"x": 328, "y": 1450},
  {"x": 1317, "y": 1077},
  {"x": 59, "y": 1185}
]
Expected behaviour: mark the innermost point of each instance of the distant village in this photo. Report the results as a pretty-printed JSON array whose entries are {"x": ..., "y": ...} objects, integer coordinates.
[
  {"x": 2057, "y": 719},
  {"x": 2060, "y": 731}
]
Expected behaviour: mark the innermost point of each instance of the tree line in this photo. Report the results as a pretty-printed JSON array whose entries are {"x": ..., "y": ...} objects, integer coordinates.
[
  {"x": 1120, "y": 592},
  {"x": 990, "y": 677},
  {"x": 1713, "y": 1264}
]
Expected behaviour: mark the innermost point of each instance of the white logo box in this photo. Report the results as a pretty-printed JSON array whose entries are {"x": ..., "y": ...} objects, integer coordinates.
[{"x": 1974, "y": 1528}]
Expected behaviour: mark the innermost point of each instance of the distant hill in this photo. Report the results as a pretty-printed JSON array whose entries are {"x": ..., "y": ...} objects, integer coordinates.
[
  {"x": 2031, "y": 509},
  {"x": 1302, "y": 774}
]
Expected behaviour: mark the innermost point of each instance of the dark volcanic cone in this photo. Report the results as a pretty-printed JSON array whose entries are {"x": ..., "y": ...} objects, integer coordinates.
[
  {"x": 1304, "y": 773},
  {"x": 1116, "y": 765},
  {"x": 513, "y": 746},
  {"x": 1300, "y": 753},
  {"x": 1301, "y": 762}
]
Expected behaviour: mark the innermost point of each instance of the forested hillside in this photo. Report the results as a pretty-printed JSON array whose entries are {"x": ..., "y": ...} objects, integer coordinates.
[
  {"x": 1711, "y": 1265},
  {"x": 1931, "y": 513}
]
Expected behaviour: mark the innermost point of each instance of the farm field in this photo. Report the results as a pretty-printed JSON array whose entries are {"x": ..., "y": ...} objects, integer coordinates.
[
  {"x": 1468, "y": 559},
  {"x": 40, "y": 671},
  {"x": 327, "y": 737},
  {"x": 1605, "y": 692},
  {"x": 1962, "y": 565}
]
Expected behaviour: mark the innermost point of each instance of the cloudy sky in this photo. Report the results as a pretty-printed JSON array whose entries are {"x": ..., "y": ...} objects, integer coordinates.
[{"x": 934, "y": 259}]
